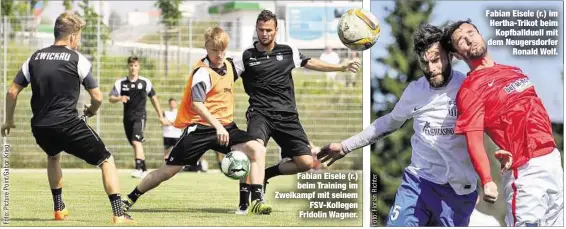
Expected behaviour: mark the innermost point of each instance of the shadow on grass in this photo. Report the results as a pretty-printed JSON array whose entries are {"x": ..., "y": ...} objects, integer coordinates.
[
  {"x": 188, "y": 210},
  {"x": 43, "y": 220}
]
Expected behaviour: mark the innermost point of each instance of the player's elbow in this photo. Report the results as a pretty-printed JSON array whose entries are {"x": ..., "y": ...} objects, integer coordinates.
[{"x": 12, "y": 94}]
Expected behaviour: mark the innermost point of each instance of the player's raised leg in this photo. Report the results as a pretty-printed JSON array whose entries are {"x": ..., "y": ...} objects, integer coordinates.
[{"x": 149, "y": 182}]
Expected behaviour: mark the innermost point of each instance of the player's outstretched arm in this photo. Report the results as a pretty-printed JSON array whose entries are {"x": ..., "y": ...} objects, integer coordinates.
[
  {"x": 381, "y": 127},
  {"x": 321, "y": 66},
  {"x": 11, "y": 100}
]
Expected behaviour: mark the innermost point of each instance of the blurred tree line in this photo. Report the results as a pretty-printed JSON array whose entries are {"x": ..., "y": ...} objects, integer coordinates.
[{"x": 392, "y": 154}]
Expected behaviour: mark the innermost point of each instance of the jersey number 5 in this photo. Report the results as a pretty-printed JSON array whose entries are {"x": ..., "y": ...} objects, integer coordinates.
[{"x": 395, "y": 213}]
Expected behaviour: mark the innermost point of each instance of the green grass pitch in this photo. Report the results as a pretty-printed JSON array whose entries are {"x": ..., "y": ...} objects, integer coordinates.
[{"x": 188, "y": 199}]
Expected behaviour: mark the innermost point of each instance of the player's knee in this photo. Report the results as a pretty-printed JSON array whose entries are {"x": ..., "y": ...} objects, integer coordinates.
[
  {"x": 256, "y": 150},
  {"x": 304, "y": 163},
  {"x": 54, "y": 158}
]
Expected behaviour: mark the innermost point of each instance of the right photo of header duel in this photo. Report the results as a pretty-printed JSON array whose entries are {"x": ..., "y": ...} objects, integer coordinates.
[{"x": 467, "y": 103}]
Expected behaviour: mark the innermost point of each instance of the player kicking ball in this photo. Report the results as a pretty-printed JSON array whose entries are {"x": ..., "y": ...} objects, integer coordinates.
[
  {"x": 265, "y": 68},
  {"x": 207, "y": 116},
  {"x": 55, "y": 74},
  {"x": 438, "y": 188},
  {"x": 502, "y": 101}
]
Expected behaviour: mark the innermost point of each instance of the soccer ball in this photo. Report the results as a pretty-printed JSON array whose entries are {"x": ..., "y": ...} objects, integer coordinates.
[
  {"x": 358, "y": 29},
  {"x": 235, "y": 165}
]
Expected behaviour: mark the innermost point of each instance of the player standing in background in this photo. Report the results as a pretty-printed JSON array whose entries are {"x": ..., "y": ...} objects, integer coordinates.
[
  {"x": 502, "y": 101},
  {"x": 265, "y": 68},
  {"x": 55, "y": 74},
  {"x": 171, "y": 134},
  {"x": 133, "y": 91},
  {"x": 207, "y": 116},
  {"x": 439, "y": 186}
]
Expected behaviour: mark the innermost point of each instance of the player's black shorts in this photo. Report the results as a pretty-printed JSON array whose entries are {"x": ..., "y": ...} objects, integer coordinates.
[
  {"x": 74, "y": 137},
  {"x": 197, "y": 139},
  {"x": 284, "y": 128},
  {"x": 134, "y": 129},
  {"x": 169, "y": 142}
]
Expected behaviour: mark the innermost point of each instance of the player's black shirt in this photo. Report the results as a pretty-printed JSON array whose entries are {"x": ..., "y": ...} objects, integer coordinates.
[
  {"x": 55, "y": 74},
  {"x": 138, "y": 91},
  {"x": 267, "y": 76}
]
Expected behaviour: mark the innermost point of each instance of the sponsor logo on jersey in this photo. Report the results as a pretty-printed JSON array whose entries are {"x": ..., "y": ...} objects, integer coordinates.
[
  {"x": 125, "y": 87},
  {"x": 519, "y": 85},
  {"x": 437, "y": 131},
  {"x": 228, "y": 90}
]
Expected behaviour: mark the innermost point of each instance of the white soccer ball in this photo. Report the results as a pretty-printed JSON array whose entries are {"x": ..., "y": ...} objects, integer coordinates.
[
  {"x": 235, "y": 165},
  {"x": 358, "y": 29}
]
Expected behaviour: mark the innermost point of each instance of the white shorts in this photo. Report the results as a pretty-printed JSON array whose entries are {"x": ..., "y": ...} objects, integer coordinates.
[{"x": 534, "y": 192}]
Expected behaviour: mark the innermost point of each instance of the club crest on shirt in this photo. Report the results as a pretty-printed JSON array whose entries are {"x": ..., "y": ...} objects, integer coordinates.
[
  {"x": 519, "y": 85},
  {"x": 452, "y": 110},
  {"x": 140, "y": 86},
  {"x": 279, "y": 57}
]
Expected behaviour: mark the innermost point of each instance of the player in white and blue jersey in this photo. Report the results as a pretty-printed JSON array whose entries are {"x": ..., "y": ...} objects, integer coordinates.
[{"x": 438, "y": 188}]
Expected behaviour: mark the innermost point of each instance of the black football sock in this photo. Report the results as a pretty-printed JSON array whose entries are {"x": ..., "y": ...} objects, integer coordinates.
[
  {"x": 257, "y": 192},
  {"x": 143, "y": 168},
  {"x": 58, "y": 204},
  {"x": 116, "y": 204},
  {"x": 271, "y": 172},
  {"x": 244, "y": 194},
  {"x": 138, "y": 164},
  {"x": 135, "y": 194}
]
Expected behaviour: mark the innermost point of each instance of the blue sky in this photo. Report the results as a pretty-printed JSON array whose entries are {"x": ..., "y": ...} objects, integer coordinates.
[{"x": 545, "y": 72}]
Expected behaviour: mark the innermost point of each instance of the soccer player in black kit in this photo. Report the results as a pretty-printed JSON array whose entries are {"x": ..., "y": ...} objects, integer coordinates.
[
  {"x": 265, "y": 68},
  {"x": 133, "y": 91},
  {"x": 56, "y": 74}
]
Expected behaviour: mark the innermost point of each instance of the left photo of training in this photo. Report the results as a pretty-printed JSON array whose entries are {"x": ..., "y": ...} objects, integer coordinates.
[{"x": 182, "y": 113}]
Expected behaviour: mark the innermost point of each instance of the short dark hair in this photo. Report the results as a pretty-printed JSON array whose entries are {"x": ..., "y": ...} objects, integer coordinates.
[
  {"x": 133, "y": 59},
  {"x": 172, "y": 99},
  {"x": 425, "y": 36},
  {"x": 265, "y": 16},
  {"x": 449, "y": 30}
]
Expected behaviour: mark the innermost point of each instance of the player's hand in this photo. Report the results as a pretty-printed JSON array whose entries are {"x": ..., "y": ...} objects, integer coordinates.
[
  {"x": 351, "y": 66},
  {"x": 87, "y": 112},
  {"x": 505, "y": 159},
  {"x": 332, "y": 152},
  {"x": 6, "y": 128},
  {"x": 222, "y": 136},
  {"x": 125, "y": 99},
  {"x": 490, "y": 193},
  {"x": 163, "y": 122}
]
